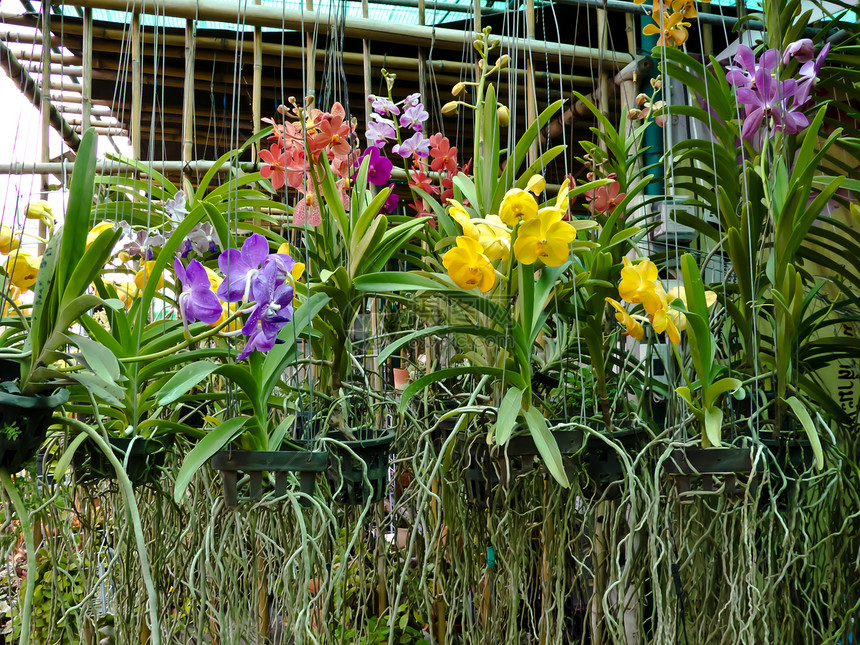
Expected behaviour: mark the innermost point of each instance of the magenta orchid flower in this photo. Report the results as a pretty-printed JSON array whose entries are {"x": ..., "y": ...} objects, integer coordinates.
[
  {"x": 383, "y": 106},
  {"x": 379, "y": 168},
  {"x": 809, "y": 75}
]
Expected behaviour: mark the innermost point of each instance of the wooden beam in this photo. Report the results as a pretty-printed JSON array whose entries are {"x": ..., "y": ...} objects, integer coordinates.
[{"x": 310, "y": 22}]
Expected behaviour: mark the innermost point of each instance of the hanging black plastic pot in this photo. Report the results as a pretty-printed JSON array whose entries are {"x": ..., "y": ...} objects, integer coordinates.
[
  {"x": 709, "y": 470},
  {"x": 601, "y": 465},
  {"x": 143, "y": 458},
  {"x": 352, "y": 460},
  {"x": 24, "y": 421},
  {"x": 255, "y": 463}
]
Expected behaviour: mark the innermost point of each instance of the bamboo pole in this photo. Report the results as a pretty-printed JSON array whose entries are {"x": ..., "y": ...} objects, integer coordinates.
[
  {"x": 188, "y": 93},
  {"x": 531, "y": 89},
  {"x": 603, "y": 86},
  {"x": 136, "y": 86},
  {"x": 257, "y": 87},
  {"x": 310, "y": 50},
  {"x": 45, "y": 110},
  {"x": 309, "y": 21},
  {"x": 87, "y": 78},
  {"x": 111, "y": 41}
]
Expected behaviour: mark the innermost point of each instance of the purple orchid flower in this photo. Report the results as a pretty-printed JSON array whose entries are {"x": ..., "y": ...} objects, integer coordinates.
[
  {"x": 416, "y": 144},
  {"x": 239, "y": 267},
  {"x": 196, "y": 302},
  {"x": 414, "y": 117},
  {"x": 273, "y": 310},
  {"x": 391, "y": 202},
  {"x": 379, "y": 131},
  {"x": 379, "y": 168},
  {"x": 802, "y": 50},
  {"x": 809, "y": 75},
  {"x": 412, "y": 100},
  {"x": 744, "y": 73},
  {"x": 762, "y": 104},
  {"x": 383, "y": 106}
]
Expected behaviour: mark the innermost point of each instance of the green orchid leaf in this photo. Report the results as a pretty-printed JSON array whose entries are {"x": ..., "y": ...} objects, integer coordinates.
[
  {"x": 185, "y": 379},
  {"x": 713, "y": 427},
  {"x": 79, "y": 210},
  {"x": 546, "y": 445},
  {"x": 98, "y": 358},
  {"x": 714, "y": 391},
  {"x": 215, "y": 440},
  {"x": 65, "y": 459},
  {"x": 110, "y": 393},
  {"x": 455, "y": 372},
  {"x": 508, "y": 412},
  {"x": 802, "y": 415}
]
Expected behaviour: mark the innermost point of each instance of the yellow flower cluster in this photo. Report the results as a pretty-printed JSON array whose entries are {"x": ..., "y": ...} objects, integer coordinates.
[
  {"x": 672, "y": 28},
  {"x": 541, "y": 234},
  {"x": 640, "y": 284}
]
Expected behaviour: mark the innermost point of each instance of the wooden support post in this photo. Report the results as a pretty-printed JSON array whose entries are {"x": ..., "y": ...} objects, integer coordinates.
[
  {"x": 310, "y": 55},
  {"x": 531, "y": 89},
  {"x": 136, "y": 86},
  {"x": 45, "y": 110},
  {"x": 188, "y": 93},
  {"x": 603, "y": 86},
  {"x": 257, "y": 90},
  {"x": 87, "y": 78}
]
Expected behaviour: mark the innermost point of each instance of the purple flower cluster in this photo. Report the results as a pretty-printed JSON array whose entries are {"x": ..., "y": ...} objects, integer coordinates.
[
  {"x": 253, "y": 275},
  {"x": 772, "y": 105},
  {"x": 382, "y": 127}
]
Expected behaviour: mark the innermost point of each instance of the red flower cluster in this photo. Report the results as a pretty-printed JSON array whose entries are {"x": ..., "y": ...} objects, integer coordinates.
[{"x": 286, "y": 162}]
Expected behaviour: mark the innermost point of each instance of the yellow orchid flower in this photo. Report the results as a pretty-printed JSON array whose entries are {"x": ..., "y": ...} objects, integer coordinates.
[
  {"x": 687, "y": 8},
  {"x": 666, "y": 320},
  {"x": 545, "y": 237},
  {"x": 126, "y": 291},
  {"x": 672, "y": 29},
  {"x": 561, "y": 200},
  {"x": 639, "y": 284},
  {"x": 142, "y": 276},
  {"x": 536, "y": 185},
  {"x": 8, "y": 240},
  {"x": 517, "y": 204},
  {"x": 22, "y": 269},
  {"x": 468, "y": 266},
  {"x": 39, "y": 210},
  {"x": 680, "y": 293},
  {"x": 495, "y": 237},
  {"x": 633, "y": 326},
  {"x": 460, "y": 215},
  {"x": 228, "y": 309},
  {"x": 298, "y": 269},
  {"x": 97, "y": 230}
]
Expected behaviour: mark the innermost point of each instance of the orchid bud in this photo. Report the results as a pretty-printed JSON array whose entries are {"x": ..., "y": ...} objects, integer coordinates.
[
  {"x": 8, "y": 240},
  {"x": 503, "y": 115},
  {"x": 503, "y": 62},
  {"x": 459, "y": 88},
  {"x": 656, "y": 83},
  {"x": 450, "y": 108},
  {"x": 634, "y": 114},
  {"x": 481, "y": 64},
  {"x": 641, "y": 99}
]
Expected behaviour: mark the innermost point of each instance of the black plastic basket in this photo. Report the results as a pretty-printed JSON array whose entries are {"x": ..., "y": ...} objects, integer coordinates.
[{"x": 347, "y": 466}]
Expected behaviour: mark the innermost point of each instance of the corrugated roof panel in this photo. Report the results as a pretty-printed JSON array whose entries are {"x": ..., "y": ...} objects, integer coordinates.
[{"x": 400, "y": 15}]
